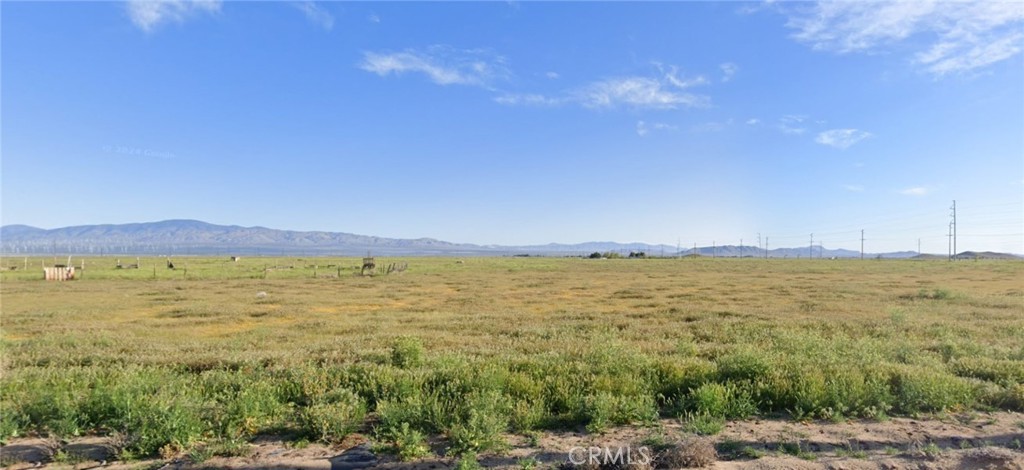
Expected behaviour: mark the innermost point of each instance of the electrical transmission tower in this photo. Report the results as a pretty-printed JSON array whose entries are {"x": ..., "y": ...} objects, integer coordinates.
[
  {"x": 953, "y": 227},
  {"x": 949, "y": 242},
  {"x": 861, "y": 243}
]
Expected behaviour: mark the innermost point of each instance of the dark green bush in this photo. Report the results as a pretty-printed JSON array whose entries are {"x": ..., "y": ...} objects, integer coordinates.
[
  {"x": 407, "y": 352},
  {"x": 332, "y": 421}
]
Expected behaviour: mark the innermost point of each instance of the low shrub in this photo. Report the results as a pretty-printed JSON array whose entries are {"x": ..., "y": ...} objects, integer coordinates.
[
  {"x": 331, "y": 422},
  {"x": 922, "y": 390},
  {"x": 692, "y": 452},
  {"x": 407, "y": 352},
  {"x": 701, "y": 423},
  {"x": 407, "y": 442},
  {"x": 605, "y": 409},
  {"x": 480, "y": 425}
]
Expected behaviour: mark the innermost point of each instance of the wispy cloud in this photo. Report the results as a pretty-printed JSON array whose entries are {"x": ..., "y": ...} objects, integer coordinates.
[
  {"x": 632, "y": 92},
  {"x": 644, "y": 128},
  {"x": 527, "y": 99},
  {"x": 753, "y": 121},
  {"x": 856, "y": 188},
  {"x": 148, "y": 14},
  {"x": 638, "y": 92},
  {"x": 674, "y": 78},
  {"x": 447, "y": 66},
  {"x": 960, "y": 36},
  {"x": 441, "y": 64},
  {"x": 841, "y": 138},
  {"x": 316, "y": 15},
  {"x": 792, "y": 124},
  {"x": 373, "y": 18},
  {"x": 915, "y": 191},
  {"x": 729, "y": 70}
]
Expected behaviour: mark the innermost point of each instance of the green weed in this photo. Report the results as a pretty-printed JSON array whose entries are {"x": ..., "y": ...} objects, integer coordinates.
[
  {"x": 331, "y": 422},
  {"x": 702, "y": 423},
  {"x": 407, "y": 352}
]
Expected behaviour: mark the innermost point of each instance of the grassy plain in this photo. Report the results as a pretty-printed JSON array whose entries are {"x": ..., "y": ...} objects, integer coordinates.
[{"x": 170, "y": 361}]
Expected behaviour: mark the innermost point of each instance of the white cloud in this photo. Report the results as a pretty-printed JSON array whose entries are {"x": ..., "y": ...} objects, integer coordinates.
[
  {"x": 792, "y": 124},
  {"x": 961, "y": 36},
  {"x": 753, "y": 121},
  {"x": 856, "y": 188},
  {"x": 729, "y": 69},
  {"x": 443, "y": 65},
  {"x": 944, "y": 58},
  {"x": 673, "y": 78},
  {"x": 637, "y": 92},
  {"x": 373, "y": 18},
  {"x": 643, "y": 128},
  {"x": 527, "y": 99},
  {"x": 316, "y": 15},
  {"x": 148, "y": 14},
  {"x": 631, "y": 92},
  {"x": 447, "y": 66},
  {"x": 915, "y": 191},
  {"x": 841, "y": 138}
]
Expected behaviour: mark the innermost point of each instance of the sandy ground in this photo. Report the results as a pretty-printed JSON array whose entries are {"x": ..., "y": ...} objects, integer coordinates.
[{"x": 970, "y": 440}]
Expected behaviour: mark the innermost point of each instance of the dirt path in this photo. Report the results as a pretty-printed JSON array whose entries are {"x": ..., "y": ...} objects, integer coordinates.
[{"x": 971, "y": 440}]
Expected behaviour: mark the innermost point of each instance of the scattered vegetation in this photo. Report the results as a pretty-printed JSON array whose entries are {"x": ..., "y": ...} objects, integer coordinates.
[
  {"x": 690, "y": 452},
  {"x": 198, "y": 366},
  {"x": 702, "y": 423}
]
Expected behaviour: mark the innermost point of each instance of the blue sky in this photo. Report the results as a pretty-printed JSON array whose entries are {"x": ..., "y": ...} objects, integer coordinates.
[{"x": 523, "y": 122}]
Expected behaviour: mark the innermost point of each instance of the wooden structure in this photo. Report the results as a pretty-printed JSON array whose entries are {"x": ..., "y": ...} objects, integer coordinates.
[
  {"x": 368, "y": 263},
  {"x": 59, "y": 273},
  {"x": 395, "y": 268}
]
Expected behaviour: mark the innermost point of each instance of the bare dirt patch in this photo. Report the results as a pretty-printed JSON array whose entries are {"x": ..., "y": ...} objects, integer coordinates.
[{"x": 952, "y": 441}]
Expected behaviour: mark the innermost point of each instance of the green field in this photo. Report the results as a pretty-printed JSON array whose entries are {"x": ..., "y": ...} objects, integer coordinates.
[{"x": 168, "y": 359}]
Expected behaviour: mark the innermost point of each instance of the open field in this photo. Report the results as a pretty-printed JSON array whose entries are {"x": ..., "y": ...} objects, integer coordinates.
[{"x": 450, "y": 357}]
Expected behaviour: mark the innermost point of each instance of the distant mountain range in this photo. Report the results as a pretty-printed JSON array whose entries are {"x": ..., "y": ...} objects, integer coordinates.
[{"x": 193, "y": 237}]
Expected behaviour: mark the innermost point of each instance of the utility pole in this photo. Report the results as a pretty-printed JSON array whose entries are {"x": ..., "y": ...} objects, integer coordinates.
[
  {"x": 861, "y": 243},
  {"x": 766, "y": 247},
  {"x": 954, "y": 228},
  {"x": 758, "y": 240},
  {"x": 714, "y": 250},
  {"x": 679, "y": 253},
  {"x": 949, "y": 242},
  {"x": 810, "y": 249},
  {"x": 918, "y": 246},
  {"x": 741, "y": 248},
  {"x": 695, "y": 248}
]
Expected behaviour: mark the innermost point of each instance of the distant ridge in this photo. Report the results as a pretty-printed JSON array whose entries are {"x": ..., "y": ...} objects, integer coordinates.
[
  {"x": 195, "y": 237},
  {"x": 198, "y": 237}
]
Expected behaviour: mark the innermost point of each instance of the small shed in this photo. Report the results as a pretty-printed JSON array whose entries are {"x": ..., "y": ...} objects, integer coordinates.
[{"x": 59, "y": 273}]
